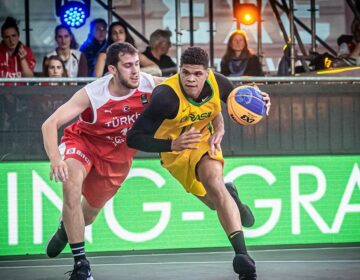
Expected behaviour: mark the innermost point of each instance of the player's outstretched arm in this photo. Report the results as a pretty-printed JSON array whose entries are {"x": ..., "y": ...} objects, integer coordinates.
[{"x": 68, "y": 111}]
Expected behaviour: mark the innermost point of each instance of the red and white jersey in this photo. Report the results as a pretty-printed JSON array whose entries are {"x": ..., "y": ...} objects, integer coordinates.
[{"x": 105, "y": 125}]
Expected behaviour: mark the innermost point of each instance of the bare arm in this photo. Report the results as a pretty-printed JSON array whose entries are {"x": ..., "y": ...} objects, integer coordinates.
[
  {"x": 100, "y": 65},
  {"x": 219, "y": 131},
  {"x": 145, "y": 61},
  {"x": 77, "y": 104}
]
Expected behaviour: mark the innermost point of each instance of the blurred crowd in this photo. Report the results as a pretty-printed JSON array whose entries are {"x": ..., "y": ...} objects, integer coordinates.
[{"x": 89, "y": 60}]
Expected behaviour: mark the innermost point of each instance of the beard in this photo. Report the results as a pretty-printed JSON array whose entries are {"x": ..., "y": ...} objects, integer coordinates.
[{"x": 128, "y": 84}]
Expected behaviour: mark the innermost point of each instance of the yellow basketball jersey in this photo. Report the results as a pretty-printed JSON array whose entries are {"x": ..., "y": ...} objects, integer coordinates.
[
  {"x": 182, "y": 165},
  {"x": 191, "y": 113}
]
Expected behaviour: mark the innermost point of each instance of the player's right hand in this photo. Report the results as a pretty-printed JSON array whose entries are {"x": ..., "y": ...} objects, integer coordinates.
[
  {"x": 187, "y": 140},
  {"x": 59, "y": 171}
]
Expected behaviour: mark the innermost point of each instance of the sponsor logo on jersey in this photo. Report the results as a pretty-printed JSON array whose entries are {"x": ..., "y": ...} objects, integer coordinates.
[
  {"x": 195, "y": 117},
  {"x": 74, "y": 151}
]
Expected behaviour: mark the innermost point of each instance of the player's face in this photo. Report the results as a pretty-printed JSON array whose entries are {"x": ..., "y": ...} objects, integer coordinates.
[
  {"x": 11, "y": 38},
  {"x": 193, "y": 78},
  {"x": 55, "y": 68},
  {"x": 63, "y": 39},
  {"x": 127, "y": 72}
]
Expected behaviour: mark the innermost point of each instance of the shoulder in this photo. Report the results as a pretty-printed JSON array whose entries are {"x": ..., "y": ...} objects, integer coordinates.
[
  {"x": 98, "y": 84},
  {"x": 222, "y": 80},
  {"x": 28, "y": 49},
  {"x": 164, "y": 94},
  {"x": 254, "y": 58},
  {"x": 147, "y": 82},
  {"x": 76, "y": 53}
]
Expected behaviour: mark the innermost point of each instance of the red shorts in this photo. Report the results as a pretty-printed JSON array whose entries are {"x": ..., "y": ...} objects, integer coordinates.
[{"x": 103, "y": 178}]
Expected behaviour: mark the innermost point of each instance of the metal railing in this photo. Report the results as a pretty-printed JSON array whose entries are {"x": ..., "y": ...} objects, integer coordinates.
[{"x": 266, "y": 80}]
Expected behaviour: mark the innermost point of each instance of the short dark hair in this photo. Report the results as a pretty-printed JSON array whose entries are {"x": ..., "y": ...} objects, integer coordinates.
[
  {"x": 117, "y": 49},
  {"x": 10, "y": 22},
  {"x": 195, "y": 56}
]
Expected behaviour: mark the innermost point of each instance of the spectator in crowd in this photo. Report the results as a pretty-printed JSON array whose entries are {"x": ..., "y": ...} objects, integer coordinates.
[
  {"x": 157, "y": 51},
  {"x": 16, "y": 59},
  {"x": 74, "y": 60},
  {"x": 55, "y": 67},
  {"x": 355, "y": 54},
  {"x": 119, "y": 33},
  {"x": 349, "y": 47},
  {"x": 239, "y": 60},
  {"x": 93, "y": 44}
]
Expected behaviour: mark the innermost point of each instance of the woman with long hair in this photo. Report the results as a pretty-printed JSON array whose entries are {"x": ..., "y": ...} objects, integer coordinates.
[
  {"x": 118, "y": 32},
  {"x": 55, "y": 67},
  {"x": 238, "y": 59},
  {"x": 74, "y": 60}
]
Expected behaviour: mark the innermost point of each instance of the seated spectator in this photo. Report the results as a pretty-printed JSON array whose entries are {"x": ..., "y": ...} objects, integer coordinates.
[
  {"x": 118, "y": 32},
  {"x": 55, "y": 67},
  {"x": 16, "y": 60},
  {"x": 157, "y": 51},
  {"x": 355, "y": 54},
  {"x": 239, "y": 60},
  {"x": 95, "y": 41},
  {"x": 74, "y": 60}
]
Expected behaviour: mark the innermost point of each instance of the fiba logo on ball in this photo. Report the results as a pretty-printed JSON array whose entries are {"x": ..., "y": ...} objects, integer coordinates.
[{"x": 245, "y": 105}]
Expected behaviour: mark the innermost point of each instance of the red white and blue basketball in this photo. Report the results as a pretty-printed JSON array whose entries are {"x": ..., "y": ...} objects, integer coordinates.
[{"x": 245, "y": 105}]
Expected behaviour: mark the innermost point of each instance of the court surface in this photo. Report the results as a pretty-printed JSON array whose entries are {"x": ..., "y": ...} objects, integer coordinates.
[{"x": 290, "y": 264}]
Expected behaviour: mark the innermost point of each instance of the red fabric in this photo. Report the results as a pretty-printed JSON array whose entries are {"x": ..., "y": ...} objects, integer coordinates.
[
  {"x": 101, "y": 146},
  {"x": 107, "y": 136},
  {"x": 103, "y": 178},
  {"x": 10, "y": 66}
]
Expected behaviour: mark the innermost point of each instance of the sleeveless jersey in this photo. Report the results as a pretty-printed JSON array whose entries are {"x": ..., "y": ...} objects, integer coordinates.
[
  {"x": 104, "y": 126},
  {"x": 191, "y": 113}
]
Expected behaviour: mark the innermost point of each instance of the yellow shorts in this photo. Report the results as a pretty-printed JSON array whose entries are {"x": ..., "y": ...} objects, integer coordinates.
[{"x": 182, "y": 166}]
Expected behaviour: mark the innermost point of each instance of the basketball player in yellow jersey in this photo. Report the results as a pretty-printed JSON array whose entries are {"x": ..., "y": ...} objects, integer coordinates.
[{"x": 184, "y": 123}]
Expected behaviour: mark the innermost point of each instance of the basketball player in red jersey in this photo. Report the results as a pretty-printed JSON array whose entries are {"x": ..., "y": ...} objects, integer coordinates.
[{"x": 93, "y": 159}]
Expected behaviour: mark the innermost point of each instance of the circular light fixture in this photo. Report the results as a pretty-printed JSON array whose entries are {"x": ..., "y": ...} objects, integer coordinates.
[{"x": 73, "y": 14}]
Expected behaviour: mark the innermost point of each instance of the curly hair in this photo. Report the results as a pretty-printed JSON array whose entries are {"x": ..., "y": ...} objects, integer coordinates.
[{"x": 195, "y": 56}]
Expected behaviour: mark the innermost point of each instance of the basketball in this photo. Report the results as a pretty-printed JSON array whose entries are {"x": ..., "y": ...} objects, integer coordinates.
[{"x": 245, "y": 105}]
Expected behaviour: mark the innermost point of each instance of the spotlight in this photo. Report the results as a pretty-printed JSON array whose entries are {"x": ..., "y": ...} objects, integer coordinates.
[
  {"x": 245, "y": 13},
  {"x": 73, "y": 13}
]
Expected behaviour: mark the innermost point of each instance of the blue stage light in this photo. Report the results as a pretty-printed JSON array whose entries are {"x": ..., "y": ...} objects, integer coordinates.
[{"x": 73, "y": 13}]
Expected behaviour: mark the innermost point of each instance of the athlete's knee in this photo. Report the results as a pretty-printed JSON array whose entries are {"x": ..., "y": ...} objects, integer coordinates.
[{"x": 90, "y": 213}]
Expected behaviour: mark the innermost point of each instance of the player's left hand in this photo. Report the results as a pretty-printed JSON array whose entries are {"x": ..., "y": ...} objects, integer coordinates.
[{"x": 215, "y": 141}]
